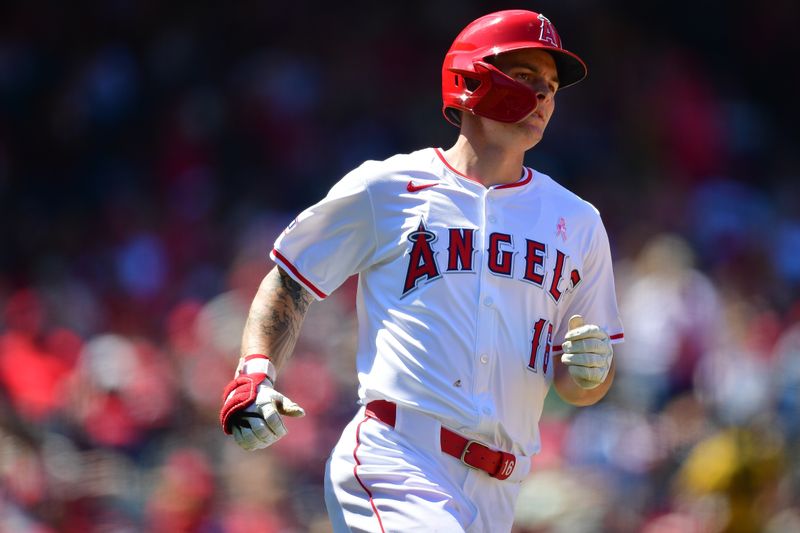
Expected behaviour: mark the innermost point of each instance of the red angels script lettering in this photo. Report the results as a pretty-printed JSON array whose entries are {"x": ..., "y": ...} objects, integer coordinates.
[
  {"x": 461, "y": 250},
  {"x": 421, "y": 262},
  {"x": 574, "y": 278},
  {"x": 558, "y": 272},
  {"x": 500, "y": 262},
  {"x": 534, "y": 262}
]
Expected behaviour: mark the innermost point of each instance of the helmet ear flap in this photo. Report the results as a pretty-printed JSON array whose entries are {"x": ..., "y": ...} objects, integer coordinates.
[{"x": 482, "y": 90}]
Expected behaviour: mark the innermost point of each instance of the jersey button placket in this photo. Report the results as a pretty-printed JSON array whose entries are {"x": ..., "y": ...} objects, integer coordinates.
[{"x": 486, "y": 311}]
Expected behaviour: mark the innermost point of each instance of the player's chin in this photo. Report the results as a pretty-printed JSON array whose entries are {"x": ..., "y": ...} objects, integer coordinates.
[
  {"x": 534, "y": 122},
  {"x": 533, "y": 131}
]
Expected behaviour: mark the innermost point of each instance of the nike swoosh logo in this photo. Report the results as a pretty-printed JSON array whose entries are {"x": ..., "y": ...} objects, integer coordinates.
[{"x": 416, "y": 188}]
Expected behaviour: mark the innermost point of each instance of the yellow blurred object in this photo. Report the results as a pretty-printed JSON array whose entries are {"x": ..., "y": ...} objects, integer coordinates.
[
  {"x": 711, "y": 464},
  {"x": 741, "y": 464}
]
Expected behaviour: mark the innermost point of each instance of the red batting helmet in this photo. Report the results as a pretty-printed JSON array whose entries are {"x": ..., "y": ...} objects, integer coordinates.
[{"x": 470, "y": 83}]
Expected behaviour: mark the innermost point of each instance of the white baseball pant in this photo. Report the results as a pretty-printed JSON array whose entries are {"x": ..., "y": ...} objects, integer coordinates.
[{"x": 384, "y": 479}]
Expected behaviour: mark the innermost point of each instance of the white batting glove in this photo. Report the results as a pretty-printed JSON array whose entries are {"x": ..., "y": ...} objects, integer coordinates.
[
  {"x": 587, "y": 353},
  {"x": 252, "y": 408},
  {"x": 260, "y": 424}
]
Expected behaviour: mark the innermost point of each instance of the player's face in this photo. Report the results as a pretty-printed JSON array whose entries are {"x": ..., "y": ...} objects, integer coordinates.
[{"x": 537, "y": 70}]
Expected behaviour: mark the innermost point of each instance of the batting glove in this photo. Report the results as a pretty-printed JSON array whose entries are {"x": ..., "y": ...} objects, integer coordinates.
[
  {"x": 587, "y": 352},
  {"x": 252, "y": 408}
]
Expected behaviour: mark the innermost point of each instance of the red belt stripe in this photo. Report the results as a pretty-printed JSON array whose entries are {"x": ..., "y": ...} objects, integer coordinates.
[{"x": 497, "y": 464}]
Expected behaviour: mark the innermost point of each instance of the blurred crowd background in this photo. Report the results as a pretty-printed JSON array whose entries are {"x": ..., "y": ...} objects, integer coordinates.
[{"x": 150, "y": 152}]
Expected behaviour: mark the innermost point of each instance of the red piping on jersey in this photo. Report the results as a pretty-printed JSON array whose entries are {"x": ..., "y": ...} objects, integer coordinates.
[
  {"x": 528, "y": 177},
  {"x": 355, "y": 473},
  {"x": 297, "y": 273},
  {"x": 617, "y": 336},
  {"x": 524, "y": 181}
]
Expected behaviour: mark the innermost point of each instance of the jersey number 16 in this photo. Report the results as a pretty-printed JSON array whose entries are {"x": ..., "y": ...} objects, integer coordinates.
[{"x": 536, "y": 345}]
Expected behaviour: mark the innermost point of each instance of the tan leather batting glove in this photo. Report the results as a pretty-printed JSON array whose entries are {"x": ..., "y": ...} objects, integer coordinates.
[
  {"x": 587, "y": 353},
  {"x": 252, "y": 408},
  {"x": 260, "y": 424}
]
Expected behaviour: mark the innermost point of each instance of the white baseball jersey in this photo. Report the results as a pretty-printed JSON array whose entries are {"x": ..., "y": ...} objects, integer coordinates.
[{"x": 464, "y": 291}]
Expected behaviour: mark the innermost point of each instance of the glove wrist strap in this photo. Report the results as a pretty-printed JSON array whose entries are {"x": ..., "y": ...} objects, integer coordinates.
[{"x": 257, "y": 364}]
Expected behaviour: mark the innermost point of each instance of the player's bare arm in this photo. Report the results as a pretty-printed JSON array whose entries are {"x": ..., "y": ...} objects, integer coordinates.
[
  {"x": 276, "y": 315},
  {"x": 253, "y": 409}
]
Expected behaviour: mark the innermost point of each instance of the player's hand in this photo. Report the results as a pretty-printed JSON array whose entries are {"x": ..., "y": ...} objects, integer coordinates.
[
  {"x": 252, "y": 411},
  {"x": 587, "y": 352}
]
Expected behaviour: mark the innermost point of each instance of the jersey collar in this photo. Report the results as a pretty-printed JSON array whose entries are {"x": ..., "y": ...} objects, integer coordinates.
[{"x": 527, "y": 175}]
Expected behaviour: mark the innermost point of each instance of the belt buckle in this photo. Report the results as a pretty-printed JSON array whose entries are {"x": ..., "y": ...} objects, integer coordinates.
[{"x": 470, "y": 442}]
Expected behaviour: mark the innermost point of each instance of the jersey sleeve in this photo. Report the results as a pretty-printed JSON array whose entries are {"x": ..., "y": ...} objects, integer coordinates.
[
  {"x": 594, "y": 298},
  {"x": 331, "y": 240}
]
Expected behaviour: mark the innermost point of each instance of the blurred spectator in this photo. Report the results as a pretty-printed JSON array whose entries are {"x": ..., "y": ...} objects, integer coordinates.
[
  {"x": 181, "y": 499},
  {"x": 671, "y": 319},
  {"x": 34, "y": 361}
]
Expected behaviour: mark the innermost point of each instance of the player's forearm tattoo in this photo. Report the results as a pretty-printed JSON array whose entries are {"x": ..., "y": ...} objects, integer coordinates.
[{"x": 276, "y": 316}]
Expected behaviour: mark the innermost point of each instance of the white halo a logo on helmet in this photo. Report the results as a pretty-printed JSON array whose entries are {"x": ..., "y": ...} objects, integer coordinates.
[{"x": 547, "y": 33}]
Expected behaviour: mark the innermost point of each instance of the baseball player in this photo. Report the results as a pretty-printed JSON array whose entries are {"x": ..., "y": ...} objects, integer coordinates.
[{"x": 481, "y": 283}]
